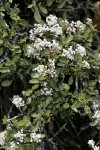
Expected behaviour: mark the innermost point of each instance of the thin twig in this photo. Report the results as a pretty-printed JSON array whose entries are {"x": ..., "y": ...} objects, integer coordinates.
[
  {"x": 76, "y": 83},
  {"x": 83, "y": 129}
]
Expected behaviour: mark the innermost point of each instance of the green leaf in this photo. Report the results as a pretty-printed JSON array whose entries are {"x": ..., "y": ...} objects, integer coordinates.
[
  {"x": 30, "y": 6},
  {"x": 52, "y": 83},
  {"x": 37, "y": 15},
  {"x": 5, "y": 119},
  {"x": 24, "y": 122},
  {"x": 47, "y": 113},
  {"x": 69, "y": 2},
  {"x": 36, "y": 115},
  {"x": 63, "y": 60},
  {"x": 63, "y": 114},
  {"x": 4, "y": 70},
  {"x": 3, "y": 24},
  {"x": 70, "y": 81},
  {"x": 61, "y": 64},
  {"x": 49, "y": 2},
  {"x": 61, "y": 22},
  {"x": 34, "y": 81},
  {"x": 66, "y": 106},
  {"x": 35, "y": 86},
  {"x": 28, "y": 100},
  {"x": 1, "y": 51},
  {"x": 69, "y": 39},
  {"x": 28, "y": 92},
  {"x": 23, "y": 22},
  {"x": 5, "y": 34},
  {"x": 10, "y": 1},
  {"x": 66, "y": 86},
  {"x": 74, "y": 109},
  {"x": 7, "y": 7},
  {"x": 1, "y": 42},
  {"x": 87, "y": 110},
  {"x": 6, "y": 83},
  {"x": 41, "y": 78},
  {"x": 92, "y": 83},
  {"x": 48, "y": 101},
  {"x": 43, "y": 9},
  {"x": 63, "y": 2}
]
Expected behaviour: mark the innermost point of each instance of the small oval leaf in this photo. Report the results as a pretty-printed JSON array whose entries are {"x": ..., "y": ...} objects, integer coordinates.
[
  {"x": 6, "y": 83},
  {"x": 37, "y": 15}
]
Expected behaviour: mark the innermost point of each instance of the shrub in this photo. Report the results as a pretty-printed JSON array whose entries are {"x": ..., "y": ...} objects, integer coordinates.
[{"x": 51, "y": 71}]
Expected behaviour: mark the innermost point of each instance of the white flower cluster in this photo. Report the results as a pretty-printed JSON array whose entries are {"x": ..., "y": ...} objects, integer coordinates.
[
  {"x": 74, "y": 26},
  {"x": 95, "y": 106},
  {"x": 35, "y": 137},
  {"x": 38, "y": 33},
  {"x": 85, "y": 64},
  {"x": 31, "y": 51},
  {"x": 96, "y": 115},
  {"x": 99, "y": 55},
  {"x": 45, "y": 70},
  {"x": 51, "y": 68},
  {"x": 40, "y": 70},
  {"x": 17, "y": 101},
  {"x": 91, "y": 143},
  {"x": 38, "y": 29},
  {"x": 80, "y": 50},
  {"x": 51, "y": 26},
  {"x": 13, "y": 146},
  {"x": 89, "y": 21},
  {"x": 70, "y": 52},
  {"x": 40, "y": 45},
  {"x": 20, "y": 135},
  {"x": 2, "y": 137},
  {"x": 45, "y": 90},
  {"x": 51, "y": 20}
]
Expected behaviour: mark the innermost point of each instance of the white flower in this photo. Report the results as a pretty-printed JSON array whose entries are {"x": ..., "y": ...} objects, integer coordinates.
[
  {"x": 55, "y": 45},
  {"x": 56, "y": 29},
  {"x": 85, "y": 64},
  {"x": 79, "y": 25},
  {"x": 71, "y": 29},
  {"x": 35, "y": 137},
  {"x": 99, "y": 55},
  {"x": 91, "y": 143},
  {"x": 41, "y": 45},
  {"x": 51, "y": 68},
  {"x": 2, "y": 137},
  {"x": 30, "y": 51},
  {"x": 39, "y": 29},
  {"x": 80, "y": 50},
  {"x": 13, "y": 146},
  {"x": 74, "y": 26},
  {"x": 89, "y": 21},
  {"x": 18, "y": 101},
  {"x": 20, "y": 135},
  {"x": 31, "y": 34},
  {"x": 95, "y": 106},
  {"x": 97, "y": 115},
  {"x": 45, "y": 90},
  {"x": 40, "y": 70},
  {"x": 51, "y": 20},
  {"x": 96, "y": 147},
  {"x": 69, "y": 53}
]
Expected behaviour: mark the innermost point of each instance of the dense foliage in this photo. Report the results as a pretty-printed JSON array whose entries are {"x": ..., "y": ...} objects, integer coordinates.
[{"x": 49, "y": 74}]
